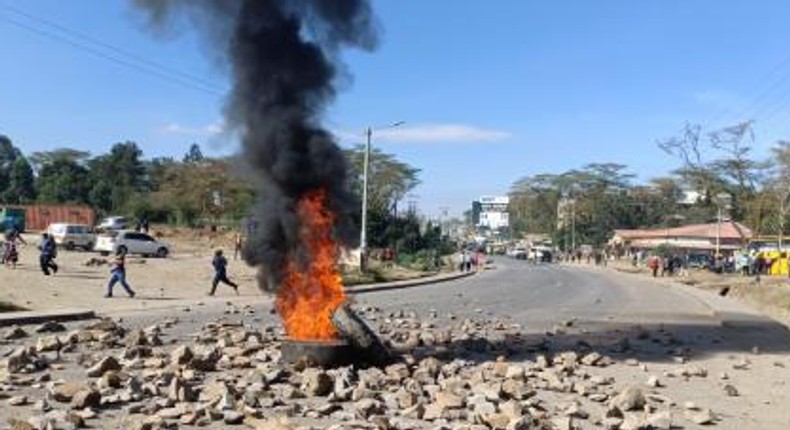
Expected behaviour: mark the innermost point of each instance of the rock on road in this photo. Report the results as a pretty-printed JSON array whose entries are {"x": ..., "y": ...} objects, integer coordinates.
[{"x": 696, "y": 365}]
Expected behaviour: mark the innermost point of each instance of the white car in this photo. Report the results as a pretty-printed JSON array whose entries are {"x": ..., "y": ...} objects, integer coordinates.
[
  {"x": 72, "y": 236},
  {"x": 132, "y": 242},
  {"x": 113, "y": 223}
]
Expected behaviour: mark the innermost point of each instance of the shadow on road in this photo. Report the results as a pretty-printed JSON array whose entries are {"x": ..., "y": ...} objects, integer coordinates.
[{"x": 644, "y": 342}]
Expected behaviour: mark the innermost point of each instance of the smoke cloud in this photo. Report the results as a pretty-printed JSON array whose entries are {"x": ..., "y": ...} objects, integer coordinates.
[{"x": 283, "y": 57}]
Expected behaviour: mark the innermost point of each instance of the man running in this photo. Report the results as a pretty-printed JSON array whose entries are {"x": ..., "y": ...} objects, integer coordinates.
[
  {"x": 220, "y": 273},
  {"x": 48, "y": 254},
  {"x": 118, "y": 274}
]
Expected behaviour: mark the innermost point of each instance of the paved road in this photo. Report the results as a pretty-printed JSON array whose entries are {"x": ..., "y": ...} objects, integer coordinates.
[
  {"x": 607, "y": 308},
  {"x": 539, "y": 296}
]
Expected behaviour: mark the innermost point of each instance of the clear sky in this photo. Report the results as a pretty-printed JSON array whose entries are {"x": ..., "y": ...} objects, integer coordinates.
[{"x": 490, "y": 90}]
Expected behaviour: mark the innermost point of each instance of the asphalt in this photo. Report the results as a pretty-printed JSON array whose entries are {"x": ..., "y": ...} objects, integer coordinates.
[
  {"x": 541, "y": 298},
  {"x": 77, "y": 314}
]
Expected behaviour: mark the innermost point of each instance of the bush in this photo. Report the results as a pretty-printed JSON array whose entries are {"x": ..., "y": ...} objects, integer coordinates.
[{"x": 424, "y": 260}]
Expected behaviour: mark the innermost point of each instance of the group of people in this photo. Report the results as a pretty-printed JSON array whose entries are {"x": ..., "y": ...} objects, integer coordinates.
[
  {"x": 599, "y": 257},
  {"x": 48, "y": 254},
  {"x": 669, "y": 265},
  {"x": 13, "y": 239},
  {"x": 469, "y": 260}
]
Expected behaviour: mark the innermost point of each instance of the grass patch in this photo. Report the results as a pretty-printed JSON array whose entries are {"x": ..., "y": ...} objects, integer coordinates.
[
  {"x": 10, "y": 307},
  {"x": 371, "y": 277}
]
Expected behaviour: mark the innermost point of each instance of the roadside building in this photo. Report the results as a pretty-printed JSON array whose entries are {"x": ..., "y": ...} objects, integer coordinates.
[{"x": 691, "y": 238}]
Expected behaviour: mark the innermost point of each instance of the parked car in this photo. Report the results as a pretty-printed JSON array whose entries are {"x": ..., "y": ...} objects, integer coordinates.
[
  {"x": 518, "y": 253},
  {"x": 72, "y": 236},
  {"x": 699, "y": 261},
  {"x": 132, "y": 242},
  {"x": 113, "y": 223}
]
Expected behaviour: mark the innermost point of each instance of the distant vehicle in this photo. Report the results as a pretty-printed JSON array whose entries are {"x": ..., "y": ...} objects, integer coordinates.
[
  {"x": 541, "y": 253},
  {"x": 113, "y": 223},
  {"x": 72, "y": 236},
  {"x": 699, "y": 261},
  {"x": 132, "y": 242},
  {"x": 518, "y": 253}
]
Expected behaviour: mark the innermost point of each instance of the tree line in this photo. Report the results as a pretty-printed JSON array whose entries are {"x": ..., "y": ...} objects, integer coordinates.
[
  {"x": 585, "y": 205},
  {"x": 196, "y": 189}
]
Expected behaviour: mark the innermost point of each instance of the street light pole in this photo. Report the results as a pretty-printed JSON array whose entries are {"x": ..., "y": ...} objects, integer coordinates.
[{"x": 363, "y": 233}]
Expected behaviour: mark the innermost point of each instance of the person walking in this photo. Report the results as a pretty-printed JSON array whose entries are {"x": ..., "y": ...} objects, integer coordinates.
[
  {"x": 48, "y": 254},
  {"x": 10, "y": 253},
  {"x": 653, "y": 262},
  {"x": 237, "y": 245},
  {"x": 118, "y": 274},
  {"x": 759, "y": 266},
  {"x": 10, "y": 249},
  {"x": 220, "y": 264}
]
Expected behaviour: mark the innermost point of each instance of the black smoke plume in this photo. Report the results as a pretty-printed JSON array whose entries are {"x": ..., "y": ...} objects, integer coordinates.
[{"x": 283, "y": 61}]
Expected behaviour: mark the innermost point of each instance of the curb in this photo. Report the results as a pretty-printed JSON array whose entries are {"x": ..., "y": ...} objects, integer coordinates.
[
  {"x": 397, "y": 285},
  {"x": 37, "y": 317}
]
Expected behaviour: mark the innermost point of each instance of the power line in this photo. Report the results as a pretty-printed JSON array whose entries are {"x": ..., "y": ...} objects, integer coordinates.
[
  {"x": 119, "y": 61},
  {"x": 105, "y": 45},
  {"x": 774, "y": 80}
]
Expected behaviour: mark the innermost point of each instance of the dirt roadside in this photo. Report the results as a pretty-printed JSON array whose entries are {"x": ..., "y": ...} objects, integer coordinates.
[
  {"x": 770, "y": 296},
  {"x": 182, "y": 279}
]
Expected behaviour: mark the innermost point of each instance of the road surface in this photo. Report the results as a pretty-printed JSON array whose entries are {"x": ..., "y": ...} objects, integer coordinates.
[{"x": 647, "y": 327}]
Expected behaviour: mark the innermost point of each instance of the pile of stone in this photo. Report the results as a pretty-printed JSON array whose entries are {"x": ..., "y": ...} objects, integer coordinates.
[{"x": 466, "y": 374}]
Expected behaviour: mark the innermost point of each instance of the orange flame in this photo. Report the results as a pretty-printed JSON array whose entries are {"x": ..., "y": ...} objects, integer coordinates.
[{"x": 309, "y": 295}]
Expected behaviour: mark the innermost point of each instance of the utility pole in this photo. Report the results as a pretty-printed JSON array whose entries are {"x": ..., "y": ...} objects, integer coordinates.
[
  {"x": 363, "y": 234},
  {"x": 718, "y": 231},
  {"x": 721, "y": 200}
]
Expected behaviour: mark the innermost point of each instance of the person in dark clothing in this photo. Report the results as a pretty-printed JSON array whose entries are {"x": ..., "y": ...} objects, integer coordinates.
[
  {"x": 220, "y": 273},
  {"x": 759, "y": 267},
  {"x": 48, "y": 254},
  {"x": 118, "y": 274}
]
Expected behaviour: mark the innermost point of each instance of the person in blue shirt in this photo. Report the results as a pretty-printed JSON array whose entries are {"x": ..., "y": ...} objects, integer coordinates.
[
  {"x": 220, "y": 264},
  {"x": 48, "y": 254}
]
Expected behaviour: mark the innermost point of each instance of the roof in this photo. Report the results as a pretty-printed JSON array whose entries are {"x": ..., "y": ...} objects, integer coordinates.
[{"x": 730, "y": 230}]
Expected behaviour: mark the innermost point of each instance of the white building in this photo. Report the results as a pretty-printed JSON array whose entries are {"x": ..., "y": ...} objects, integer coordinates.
[{"x": 493, "y": 212}]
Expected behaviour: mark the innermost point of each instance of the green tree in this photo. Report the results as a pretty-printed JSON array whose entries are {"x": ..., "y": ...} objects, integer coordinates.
[
  {"x": 194, "y": 155},
  {"x": 63, "y": 181},
  {"x": 21, "y": 184},
  {"x": 201, "y": 191},
  {"x": 116, "y": 176},
  {"x": 8, "y": 155},
  {"x": 389, "y": 180},
  {"x": 39, "y": 159}
]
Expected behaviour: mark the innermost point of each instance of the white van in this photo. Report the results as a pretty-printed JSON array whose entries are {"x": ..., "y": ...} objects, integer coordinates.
[{"x": 72, "y": 236}]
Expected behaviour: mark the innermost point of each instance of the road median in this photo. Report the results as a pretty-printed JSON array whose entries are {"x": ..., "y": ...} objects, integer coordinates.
[
  {"x": 37, "y": 317},
  {"x": 407, "y": 283}
]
